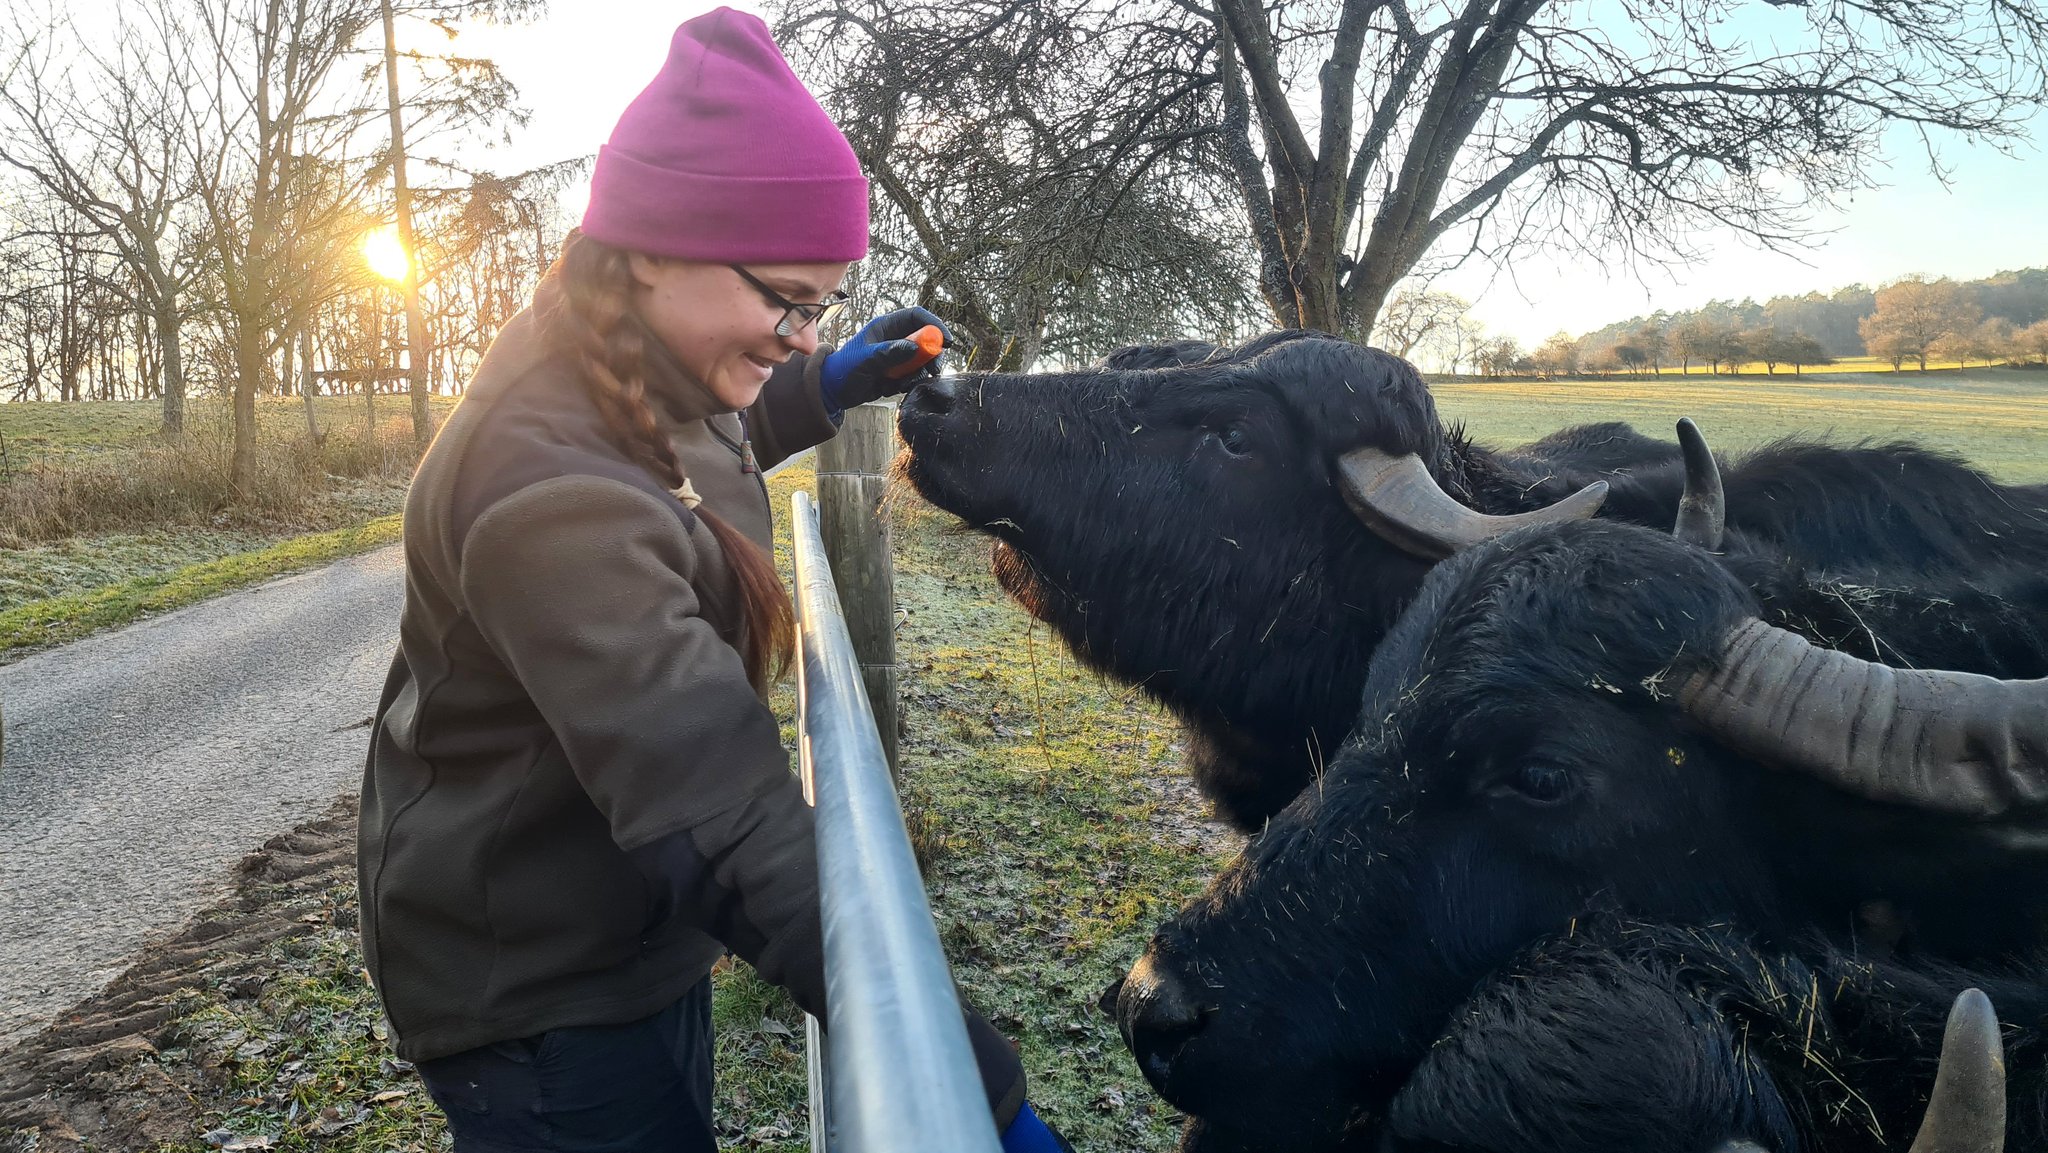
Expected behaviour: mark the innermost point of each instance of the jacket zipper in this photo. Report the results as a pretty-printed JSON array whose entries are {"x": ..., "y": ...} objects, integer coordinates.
[{"x": 744, "y": 449}]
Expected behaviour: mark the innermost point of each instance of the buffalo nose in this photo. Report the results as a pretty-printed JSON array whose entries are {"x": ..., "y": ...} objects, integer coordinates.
[
  {"x": 1105, "y": 1001},
  {"x": 1158, "y": 1009}
]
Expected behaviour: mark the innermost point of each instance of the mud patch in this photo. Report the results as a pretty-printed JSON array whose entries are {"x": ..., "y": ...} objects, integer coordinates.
[{"x": 120, "y": 1070}]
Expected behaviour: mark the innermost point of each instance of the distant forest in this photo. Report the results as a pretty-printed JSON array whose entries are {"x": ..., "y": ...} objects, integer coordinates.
[
  {"x": 2001, "y": 319},
  {"x": 1833, "y": 319}
]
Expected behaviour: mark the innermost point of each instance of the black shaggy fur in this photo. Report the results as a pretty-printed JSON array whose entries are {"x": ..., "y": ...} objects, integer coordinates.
[
  {"x": 1519, "y": 765},
  {"x": 1173, "y": 514},
  {"x": 1636, "y": 1038},
  {"x": 1603, "y": 447}
]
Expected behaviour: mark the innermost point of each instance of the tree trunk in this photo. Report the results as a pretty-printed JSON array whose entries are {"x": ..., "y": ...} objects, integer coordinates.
[
  {"x": 149, "y": 383},
  {"x": 308, "y": 386},
  {"x": 415, "y": 317},
  {"x": 1321, "y": 306},
  {"x": 169, "y": 337},
  {"x": 31, "y": 367},
  {"x": 1367, "y": 293},
  {"x": 67, "y": 340},
  {"x": 250, "y": 363}
]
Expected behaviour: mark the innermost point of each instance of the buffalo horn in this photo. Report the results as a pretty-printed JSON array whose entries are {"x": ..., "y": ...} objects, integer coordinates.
[
  {"x": 1397, "y": 498},
  {"x": 1966, "y": 1110},
  {"x": 1959, "y": 743},
  {"x": 1702, "y": 510}
]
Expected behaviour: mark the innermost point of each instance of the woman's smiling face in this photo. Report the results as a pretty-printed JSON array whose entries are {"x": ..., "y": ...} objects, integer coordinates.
[{"x": 722, "y": 329}]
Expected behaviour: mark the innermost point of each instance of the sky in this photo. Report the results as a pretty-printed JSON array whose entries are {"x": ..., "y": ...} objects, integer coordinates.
[{"x": 579, "y": 67}]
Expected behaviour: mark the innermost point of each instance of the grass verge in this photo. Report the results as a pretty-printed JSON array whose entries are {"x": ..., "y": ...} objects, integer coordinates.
[{"x": 56, "y": 620}]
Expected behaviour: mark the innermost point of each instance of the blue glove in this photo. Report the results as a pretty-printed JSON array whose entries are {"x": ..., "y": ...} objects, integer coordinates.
[
  {"x": 879, "y": 361},
  {"x": 1028, "y": 1134}
]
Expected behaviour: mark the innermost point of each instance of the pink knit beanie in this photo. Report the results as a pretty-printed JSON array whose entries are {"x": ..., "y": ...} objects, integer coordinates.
[{"x": 727, "y": 157}]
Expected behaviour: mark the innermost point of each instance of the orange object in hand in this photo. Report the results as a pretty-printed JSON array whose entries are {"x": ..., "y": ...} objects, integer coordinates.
[{"x": 930, "y": 341}]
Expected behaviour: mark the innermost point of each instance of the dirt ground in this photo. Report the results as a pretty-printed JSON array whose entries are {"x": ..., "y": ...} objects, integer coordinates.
[{"x": 112, "y": 1072}]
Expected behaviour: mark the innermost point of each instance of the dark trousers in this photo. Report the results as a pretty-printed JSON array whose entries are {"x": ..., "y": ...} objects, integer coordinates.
[{"x": 642, "y": 1087}]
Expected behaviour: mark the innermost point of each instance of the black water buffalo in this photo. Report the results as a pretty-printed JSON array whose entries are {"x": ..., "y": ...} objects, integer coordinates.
[
  {"x": 1630, "y": 1037},
  {"x": 1236, "y": 529},
  {"x": 1591, "y": 718},
  {"x": 1644, "y": 1038}
]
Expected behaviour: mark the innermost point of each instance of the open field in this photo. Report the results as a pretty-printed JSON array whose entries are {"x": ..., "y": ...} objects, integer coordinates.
[
  {"x": 39, "y": 430},
  {"x": 1997, "y": 420}
]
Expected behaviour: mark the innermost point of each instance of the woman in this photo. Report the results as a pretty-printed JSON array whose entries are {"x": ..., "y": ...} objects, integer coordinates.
[{"x": 576, "y": 798}]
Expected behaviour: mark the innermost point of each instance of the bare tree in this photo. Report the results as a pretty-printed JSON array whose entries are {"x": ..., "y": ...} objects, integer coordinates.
[
  {"x": 1987, "y": 340},
  {"x": 1415, "y": 316},
  {"x": 1913, "y": 313},
  {"x": 1366, "y": 137},
  {"x": 288, "y": 155},
  {"x": 1040, "y": 174},
  {"x": 471, "y": 77},
  {"x": 1774, "y": 346},
  {"x": 98, "y": 125},
  {"x": 1654, "y": 343},
  {"x": 1557, "y": 356},
  {"x": 59, "y": 290},
  {"x": 276, "y": 127},
  {"x": 1498, "y": 356},
  {"x": 1498, "y": 123},
  {"x": 2031, "y": 343},
  {"x": 484, "y": 246}
]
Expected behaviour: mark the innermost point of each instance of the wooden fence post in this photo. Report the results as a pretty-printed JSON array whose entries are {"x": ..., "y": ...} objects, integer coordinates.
[{"x": 852, "y": 477}]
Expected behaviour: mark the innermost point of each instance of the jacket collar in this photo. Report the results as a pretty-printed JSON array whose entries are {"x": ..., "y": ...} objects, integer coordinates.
[{"x": 680, "y": 395}]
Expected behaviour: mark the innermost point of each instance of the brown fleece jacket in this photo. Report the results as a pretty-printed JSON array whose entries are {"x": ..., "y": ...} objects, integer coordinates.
[{"x": 573, "y": 795}]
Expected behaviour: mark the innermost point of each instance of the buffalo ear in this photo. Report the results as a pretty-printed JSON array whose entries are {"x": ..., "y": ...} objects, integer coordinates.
[
  {"x": 1397, "y": 499},
  {"x": 1966, "y": 1110}
]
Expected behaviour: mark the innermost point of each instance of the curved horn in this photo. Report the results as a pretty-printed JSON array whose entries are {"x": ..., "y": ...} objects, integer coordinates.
[
  {"x": 1959, "y": 743},
  {"x": 1397, "y": 498},
  {"x": 1966, "y": 1110},
  {"x": 1702, "y": 510}
]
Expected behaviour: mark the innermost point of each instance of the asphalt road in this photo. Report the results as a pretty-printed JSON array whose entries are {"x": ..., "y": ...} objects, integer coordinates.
[{"x": 142, "y": 762}]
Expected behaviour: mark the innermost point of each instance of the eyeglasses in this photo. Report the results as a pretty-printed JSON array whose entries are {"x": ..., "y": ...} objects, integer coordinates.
[{"x": 795, "y": 317}]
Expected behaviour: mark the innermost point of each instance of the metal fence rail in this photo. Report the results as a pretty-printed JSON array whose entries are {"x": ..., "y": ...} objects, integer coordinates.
[{"x": 899, "y": 1074}]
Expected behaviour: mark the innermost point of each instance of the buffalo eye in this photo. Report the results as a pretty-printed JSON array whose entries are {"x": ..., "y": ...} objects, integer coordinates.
[
  {"x": 1234, "y": 439},
  {"x": 1539, "y": 782}
]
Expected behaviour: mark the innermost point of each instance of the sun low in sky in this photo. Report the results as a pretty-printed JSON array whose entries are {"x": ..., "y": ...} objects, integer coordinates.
[{"x": 384, "y": 254}]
